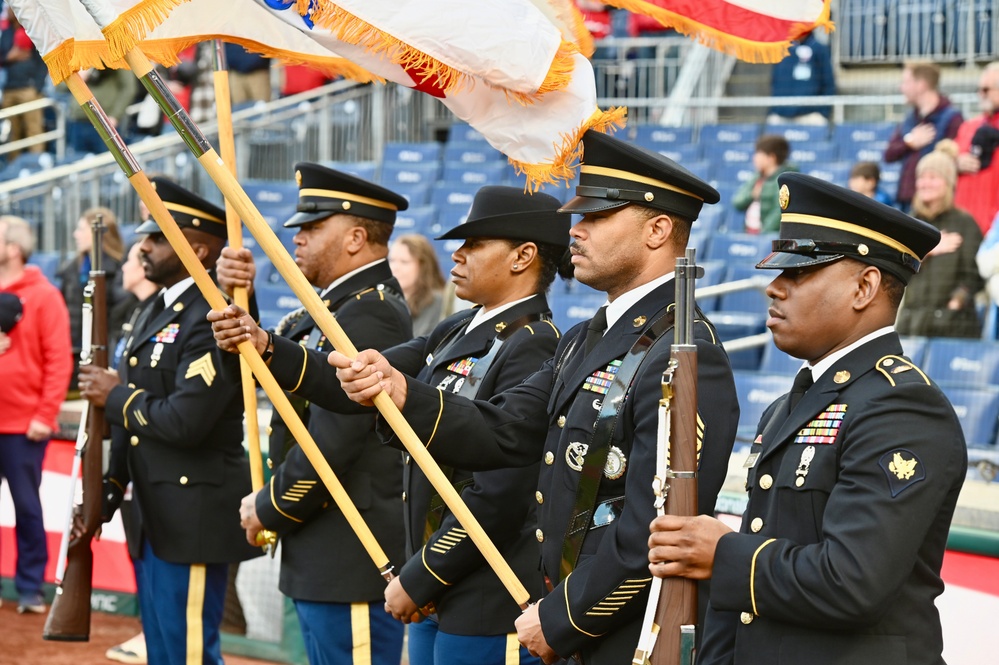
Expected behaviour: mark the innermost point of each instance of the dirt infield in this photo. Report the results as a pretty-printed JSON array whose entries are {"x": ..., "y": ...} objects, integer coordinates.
[{"x": 21, "y": 640}]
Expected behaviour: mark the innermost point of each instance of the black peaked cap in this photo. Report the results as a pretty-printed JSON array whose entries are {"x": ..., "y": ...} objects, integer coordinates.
[
  {"x": 821, "y": 222},
  {"x": 513, "y": 214},
  {"x": 323, "y": 191},
  {"x": 189, "y": 210},
  {"x": 614, "y": 174}
]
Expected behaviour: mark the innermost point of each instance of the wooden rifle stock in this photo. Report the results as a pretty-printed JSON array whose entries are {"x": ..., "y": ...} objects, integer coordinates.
[{"x": 69, "y": 616}]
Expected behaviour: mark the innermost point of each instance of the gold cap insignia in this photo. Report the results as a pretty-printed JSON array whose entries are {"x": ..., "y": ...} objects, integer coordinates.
[
  {"x": 639, "y": 321},
  {"x": 346, "y": 205},
  {"x": 841, "y": 376},
  {"x": 500, "y": 327},
  {"x": 784, "y": 197},
  {"x": 863, "y": 249},
  {"x": 649, "y": 196},
  {"x": 298, "y": 178},
  {"x": 195, "y": 221}
]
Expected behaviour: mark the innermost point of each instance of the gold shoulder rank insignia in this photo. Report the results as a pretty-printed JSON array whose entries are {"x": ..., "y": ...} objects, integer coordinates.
[
  {"x": 893, "y": 366},
  {"x": 902, "y": 470},
  {"x": 203, "y": 367}
]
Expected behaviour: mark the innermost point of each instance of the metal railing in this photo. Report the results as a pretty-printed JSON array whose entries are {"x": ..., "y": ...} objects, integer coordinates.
[{"x": 57, "y": 135}]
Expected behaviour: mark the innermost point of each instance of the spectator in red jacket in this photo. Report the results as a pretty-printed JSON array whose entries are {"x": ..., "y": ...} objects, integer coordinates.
[
  {"x": 35, "y": 365},
  {"x": 977, "y": 159}
]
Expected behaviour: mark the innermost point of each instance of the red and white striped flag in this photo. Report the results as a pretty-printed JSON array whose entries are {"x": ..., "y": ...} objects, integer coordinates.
[
  {"x": 514, "y": 70},
  {"x": 751, "y": 30}
]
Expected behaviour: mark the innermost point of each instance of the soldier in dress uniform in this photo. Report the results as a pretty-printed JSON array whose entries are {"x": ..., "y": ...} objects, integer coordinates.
[
  {"x": 514, "y": 245},
  {"x": 343, "y": 226},
  {"x": 590, "y": 413},
  {"x": 853, "y": 476},
  {"x": 177, "y": 434}
]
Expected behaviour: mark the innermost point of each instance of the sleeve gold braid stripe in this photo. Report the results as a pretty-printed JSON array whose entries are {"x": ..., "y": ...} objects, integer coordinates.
[
  {"x": 278, "y": 508},
  {"x": 440, "y": 412},
  {"x": 752, "y": 575},
  {"x": 423, "y": 557},
  {"x": 568, "y": 610},
  {"x": 140, "y": 418},
  {"x": 124, "y": 409},
  {"x": 305, "y": 357}
]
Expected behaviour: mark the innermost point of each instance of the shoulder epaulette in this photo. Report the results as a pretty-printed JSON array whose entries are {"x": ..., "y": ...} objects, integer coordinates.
[{"x": 898, "y": 369}]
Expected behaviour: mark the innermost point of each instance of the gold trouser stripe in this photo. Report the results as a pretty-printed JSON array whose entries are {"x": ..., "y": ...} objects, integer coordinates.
[
  {"x": 195, "y": 609},
  {"x": 360, "y": 632},
  {"x": 347, "y": 196},
  {"x": 752, "y": 575},
  {"x": 815, "y": 220},
  {"x": 512, "y": 649},
  {"x": 193, "y": 212},
  {"x": 634, "y": 177}
]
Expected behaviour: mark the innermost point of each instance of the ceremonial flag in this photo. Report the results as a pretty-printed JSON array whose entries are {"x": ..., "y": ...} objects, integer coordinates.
[
  {"x": 751, "y": 30},
  {"x": 511, "y": 69}
]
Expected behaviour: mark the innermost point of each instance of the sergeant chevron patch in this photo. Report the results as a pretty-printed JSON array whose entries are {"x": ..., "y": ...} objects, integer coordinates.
[
  {"x": 449, "y": 540},
  {"x": 203, "y": 367},
  {"x": 619, "y": 597}
]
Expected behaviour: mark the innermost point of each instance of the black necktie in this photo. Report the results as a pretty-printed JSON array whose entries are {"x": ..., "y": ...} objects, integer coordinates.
[
  {"x": 598, "y": 324},
  {"x": 158, "y": 306},
  {"x": 802, "y": 382}
]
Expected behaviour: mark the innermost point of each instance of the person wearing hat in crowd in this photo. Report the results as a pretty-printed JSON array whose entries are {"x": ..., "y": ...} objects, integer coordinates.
[
  {"x": 514, "y": 244},
  {"x": 853, "y": 476},
  {"x": 343, "y": 225},
  {"x": 177, "y": 435},
  {"x": 590, "y": 412}
]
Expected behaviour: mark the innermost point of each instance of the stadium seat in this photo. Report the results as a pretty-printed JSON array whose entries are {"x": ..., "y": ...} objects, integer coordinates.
[
  {"x": 711, "y": 219},
  {"x": 733, "y": 153},
  {"x": 493, "y": 172},
  {"x": 714, "y": 273},
  {"x": 890, "y": 174},
  {"x": 978, "y": 411},
  {"x": 915, "y": 348},
  {"x": 411, "y": 153},
  {"x": 478, "y": 152},
  {"x": 701, "y": 168},
  {"x": 416, "y": 219},
  {"x": 659, "y": 139},
  {"x": 275, "y": 297},
  {"x": 775, "y": 361},
  {"x": 409, "y": 173},
  {"x": 449, "y": 216},
  {"x": 862, "y": 132},
  {"x": 819, "y": 153},
  {"x": 450, "y": 194},
  {"x": 362, "y": 170},
  {"x": 739, "y": 248},
  {"x": 417, "y": 194},
  {"x": 965, "y": 362},
  {"x": 754, "y": 301},
  {"x": 729, "y": 133},
  {"x": 461, "y": 132},
  {"x": 681, "y": 154},
  {"x": 735, "y": 173},
  {"x": 838, "y": 173},
  {"x": 736, "y": 325},
  {"x": 562, "y": 191},
  {"x": 799, "y": 135},
  {"x": 272, "y": 194},
  {"x": 567, "y": 311},
  {"x": 756, "y": 392}
]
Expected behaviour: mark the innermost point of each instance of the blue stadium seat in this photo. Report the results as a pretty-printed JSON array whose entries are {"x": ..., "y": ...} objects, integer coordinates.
[
  {"x": 409, "y": 173},
  {"x": 489, "y": 173},
  {"x": 962, "y": 362},
  {"x": 733, "y": 153},
  {"x": 362, "y": 170},
  {"x": 729, "y": 133},
  {"x": 572, "y": 309},
  {"x": 416, "y": 219},
  {"x": 450, "y": 194},
  {"x": 890, "y": 174},
  {"x": 701, "y": 168},
  {"x": 48, "y": 263},
  {"x": 756, "y": 392},
  {"x": 411, "y": 153},
  {"x": 818, "y": 153},
  {"x": 417, "y": 194},
  {"x": 659, "y": 139},
  {"x": 478, "y": 152},
  {"x": 799, "y": 134},
  {"x": 739, "y": 248},
  {"x": 271, "y": 194},
  {"x": 562, "y": 191},
  {"x": 837, "y": 173},
  {"x": 776, "y": 361},
  {"x": 736, "y": 325},
  {"x": 711, "y": 219},
  {"x": 849, "y": 132},
  {"x": 714, "y": 273},
  {"x": 275, "y": 297},
  {"x": 449, "y": 216},
  {"x": 978, "y": 410},
  {"x": 681, "y": 154},
  {"x": 753, "y": 301},
  {"x": 915, "y": 348},
  {"x": 462, "y": 132},
  {"x": 735, "y": 173}
]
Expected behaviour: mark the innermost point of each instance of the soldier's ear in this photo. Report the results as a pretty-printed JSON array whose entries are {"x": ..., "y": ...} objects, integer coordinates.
[{"x": 868, "y": 282}]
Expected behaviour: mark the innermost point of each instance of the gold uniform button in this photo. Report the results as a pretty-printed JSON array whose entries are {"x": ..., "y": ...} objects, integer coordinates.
[
  {"x": 756, "y": 524},
  {"x": 539, "y": 496},
  {"x": 131, "y": 385},
  {"x": 746, "y": 618},
  {"x": 134, "y": 440},
  {"x": 270, "y": 463},
  {"x": 540, "y": 535},
  {"x": 561, "y": 422},
  {"x": 183, "y": 480},
  {"x": 549, "y": 458},
  {"x": 766, "y": 481},
  {"x": 133, "y": 361},
  {"x": 404, "y": 495}
]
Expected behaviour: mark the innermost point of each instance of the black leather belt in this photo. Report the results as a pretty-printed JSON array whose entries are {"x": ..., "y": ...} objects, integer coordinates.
[{"x": 606, "y": 512}]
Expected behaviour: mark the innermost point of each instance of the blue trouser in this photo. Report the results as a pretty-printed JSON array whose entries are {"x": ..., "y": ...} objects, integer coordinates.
[
  {"x": 21, "y": 466},
  {"x": 428, "y": 645},
  {"x": 181, "y": 610},
  {"x": 342, "y": 633}
]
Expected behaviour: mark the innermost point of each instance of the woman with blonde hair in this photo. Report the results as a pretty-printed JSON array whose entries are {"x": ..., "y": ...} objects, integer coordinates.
[
  {"x": 414, "y": 264},
  {"x": 940, "y": 298}
]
